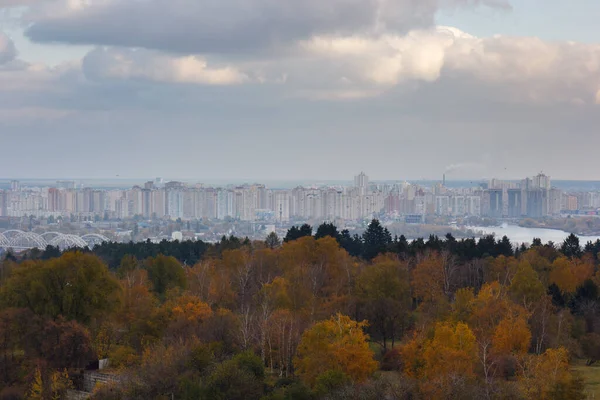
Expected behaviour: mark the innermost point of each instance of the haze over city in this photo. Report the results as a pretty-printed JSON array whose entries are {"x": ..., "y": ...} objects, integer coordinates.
[{"x": 256, "y": 89}]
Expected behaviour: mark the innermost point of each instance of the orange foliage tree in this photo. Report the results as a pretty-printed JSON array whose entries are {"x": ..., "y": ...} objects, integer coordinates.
[{"x": 336, "y": 344}]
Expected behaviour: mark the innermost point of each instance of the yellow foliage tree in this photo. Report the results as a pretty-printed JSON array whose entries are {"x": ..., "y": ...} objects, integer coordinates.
[
  {"x": 452, "y": 350},
  {"x": 562, "y": 274},
  {"x": 548, "y": 377},
  {"x": 336, "y": 344},
  {"x": 428, "y": 280},
  {"x": 54, "y": 388},
  {"x": 512, "y": 336},
  {"x": 526, "y": 288},
  {"x": 449, "y": 357}
]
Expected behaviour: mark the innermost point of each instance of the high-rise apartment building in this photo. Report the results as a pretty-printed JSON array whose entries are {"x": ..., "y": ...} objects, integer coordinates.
[
  {"x": 515, "y": 201},
  {"x": 496, "y": 203}
]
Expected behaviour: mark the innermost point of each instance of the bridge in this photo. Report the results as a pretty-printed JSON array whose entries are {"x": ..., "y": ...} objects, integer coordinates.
[{"x": 18, "y": 240}]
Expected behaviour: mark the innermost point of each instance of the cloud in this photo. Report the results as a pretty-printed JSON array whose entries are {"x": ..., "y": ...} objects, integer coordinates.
[
  {"x": 17, "y": 3},
  {"x": 514, "y": 69},
  {"x": 228, "y": 26},
  {"x": 7, "y": 49},
  {"x": 127, "y": 64}
]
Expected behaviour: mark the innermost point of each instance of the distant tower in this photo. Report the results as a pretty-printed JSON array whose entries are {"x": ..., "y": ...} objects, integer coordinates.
[{"x": 444, "y": 180}]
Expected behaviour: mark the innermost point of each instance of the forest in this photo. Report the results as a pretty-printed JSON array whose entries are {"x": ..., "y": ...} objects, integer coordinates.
[{"x": 316, "y": 315}]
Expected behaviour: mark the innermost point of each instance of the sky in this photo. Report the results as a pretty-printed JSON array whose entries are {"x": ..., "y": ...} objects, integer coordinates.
[{"x": 299, "y": 89}]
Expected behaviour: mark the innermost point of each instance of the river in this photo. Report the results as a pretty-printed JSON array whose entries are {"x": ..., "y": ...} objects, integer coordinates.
[{"x": 518, "y": 234}]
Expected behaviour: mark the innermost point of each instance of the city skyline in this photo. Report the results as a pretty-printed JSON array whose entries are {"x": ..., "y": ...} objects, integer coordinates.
[{"x": 533, "y": 197}]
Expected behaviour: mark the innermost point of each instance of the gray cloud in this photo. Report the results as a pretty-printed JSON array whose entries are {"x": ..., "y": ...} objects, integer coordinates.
[
  {"x": 231, "y": 26},
  {"x": 422, "y": 100},
  {"x": 19, "y": 3},
  {"x": 7, "y": 49}
]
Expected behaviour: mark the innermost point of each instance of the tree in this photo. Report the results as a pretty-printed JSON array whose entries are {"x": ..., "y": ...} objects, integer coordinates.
[
  {"x": 186, "y": 313},
  {"x": 165, "y": 273},
  {"x": 272, "y": 241},
  {"x": 327, "y": 229},
  {"x": 385, "y": 299},
  {"x": 59, "y": 344},
  {"x": 77, "y": 286},
  {"x": 237, "y": 379},
  {"x": 563, "y": 276},
  {"x": 512, "y": 336},
  {"x": 339, "y": 344},
  {"x": 295, "y": 233},
  {"x": 590, "y": 346},
  {"x": 526, "y": 288},
  {"x": 428, "y": 280},
  {"x": 505, "y": 247},
  {"x": 352, "y": 244},
  {"x": 571, "y": 247},
  {"x": 549, "y": 377},
  {"x": 376, "y": 240},
  {"x": 447, "y": 360}
]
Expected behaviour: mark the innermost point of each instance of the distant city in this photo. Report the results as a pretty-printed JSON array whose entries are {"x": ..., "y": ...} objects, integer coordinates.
[
  {"x": 533, "y": 197},
  {"x": 67, "y": 213}
]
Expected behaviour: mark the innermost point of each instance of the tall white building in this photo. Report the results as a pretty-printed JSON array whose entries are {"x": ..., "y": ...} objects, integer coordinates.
[{"x": 361, "y": 181}]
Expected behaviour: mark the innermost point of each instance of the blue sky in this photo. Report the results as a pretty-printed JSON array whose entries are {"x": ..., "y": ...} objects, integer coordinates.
[
  {"x": 575, "y": 20},
  {"x": 256, "y": 89}
]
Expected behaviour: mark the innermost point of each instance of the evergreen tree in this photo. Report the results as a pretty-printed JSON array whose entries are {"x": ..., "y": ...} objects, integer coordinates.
[
  {"x": 504, "y": 247},
  {"x": 570, "y": 247},
  {"x": 272, "y": 241},
  {"x": 295, "y": 233},
  {"x": 327, "y": 229},
  {"x": 376, "y": 240},
  {"x": 352, "y": 244}
]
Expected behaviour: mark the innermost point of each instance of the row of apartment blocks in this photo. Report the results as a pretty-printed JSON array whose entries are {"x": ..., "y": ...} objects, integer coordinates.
[
  {"x": 247, "y": 203},
  {"x": 533, "y": 197}
]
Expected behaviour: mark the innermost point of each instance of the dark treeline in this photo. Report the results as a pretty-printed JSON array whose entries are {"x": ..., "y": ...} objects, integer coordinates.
[{"x": 374, "y": 241}]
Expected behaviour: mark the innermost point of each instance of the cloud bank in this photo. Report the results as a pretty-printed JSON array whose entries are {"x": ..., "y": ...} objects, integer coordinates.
[{"x": 289, "y": 79}]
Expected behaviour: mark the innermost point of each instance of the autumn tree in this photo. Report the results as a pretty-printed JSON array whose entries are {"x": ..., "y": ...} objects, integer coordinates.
[
  {"x": 338, "y": 343},
  {"x": 384, "y": 298},
  {"x": 526, "y": 288},
  {"x": 430, "y": 282},
  {"x": 76, "y": 286},
  {"x": 448, "y": 360},
  {"x": 165, "y": 273},
  {"x": 501, "y": 269},
  {"x": 549, "y": 376},
  {"x": 563, "y": 275},
  {"x": 137, "y": 318},
  {"x": 59, "y": 344},
  {"x": 511, "y": 337},
  {"x": 185, "y": 315}
]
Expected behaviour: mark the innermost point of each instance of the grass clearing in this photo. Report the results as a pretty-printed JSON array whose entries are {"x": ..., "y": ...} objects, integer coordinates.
[{"x": 591, "y": 375}]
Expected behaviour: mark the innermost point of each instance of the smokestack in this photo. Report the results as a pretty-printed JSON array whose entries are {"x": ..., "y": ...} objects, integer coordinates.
[{"x": 444, "y": 181}]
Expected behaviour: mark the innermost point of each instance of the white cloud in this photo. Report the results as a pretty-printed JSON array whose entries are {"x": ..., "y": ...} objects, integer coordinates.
[
  {"x": 522, "y": 68},
  {"x": 123, "y": 64}
]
